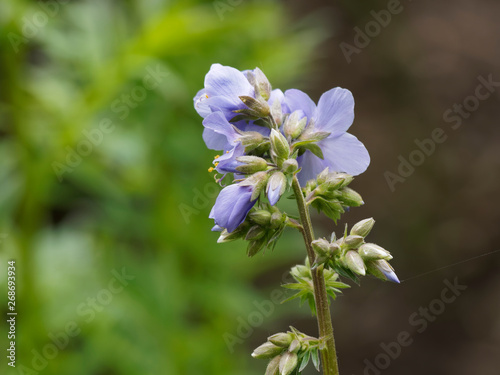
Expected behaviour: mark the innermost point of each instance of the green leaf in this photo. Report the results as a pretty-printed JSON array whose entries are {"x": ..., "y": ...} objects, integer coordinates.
[
  {"x": 304, "y": 360},
  {"x": 315, "y": 357}
]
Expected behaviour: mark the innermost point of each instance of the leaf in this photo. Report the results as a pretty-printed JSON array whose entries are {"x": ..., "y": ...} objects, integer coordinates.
[
  {"x": 315, "y": 357},
  {"x": 305, "y": 360}
]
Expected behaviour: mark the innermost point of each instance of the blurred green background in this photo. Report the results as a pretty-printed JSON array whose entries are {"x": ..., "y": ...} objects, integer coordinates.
[{"x": 104, "y": 190}]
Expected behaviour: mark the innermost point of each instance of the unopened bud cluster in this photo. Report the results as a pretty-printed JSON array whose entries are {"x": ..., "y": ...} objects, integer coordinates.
[
  {"x": 263, "y": 226},
  {"x": 289, "y": 352},
  {"x": 350, "y": 256},
  {"x": 330, "y": 193}
]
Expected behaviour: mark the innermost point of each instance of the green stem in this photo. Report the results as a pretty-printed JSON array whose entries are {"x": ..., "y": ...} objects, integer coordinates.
[{"x": 329, "y": 353}]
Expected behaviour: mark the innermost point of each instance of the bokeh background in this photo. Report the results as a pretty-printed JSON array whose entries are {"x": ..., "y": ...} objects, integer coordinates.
[{"x": 135, "y": 203}]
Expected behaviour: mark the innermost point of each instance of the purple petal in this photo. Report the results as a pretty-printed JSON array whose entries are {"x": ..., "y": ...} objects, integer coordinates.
[
  {"x": 232, "y": 206},
  {"x": 227, "y": 81},
  {"x": 200, "y": 105},
  {"x": 296, "y": 99},
  {"x": 345, "y": 153},
  {"x": 335, "y": 111},
  {"x": 311, "y": 166},
  {"x": 219, "y": 134},
  {"x": 225, "y": 104}
]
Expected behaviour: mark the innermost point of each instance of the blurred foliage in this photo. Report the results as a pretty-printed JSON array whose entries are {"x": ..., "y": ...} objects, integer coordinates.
[{"x": 68, "y": 68}]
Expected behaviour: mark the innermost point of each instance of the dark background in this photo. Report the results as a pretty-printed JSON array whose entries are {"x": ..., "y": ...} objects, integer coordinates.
[{"x": 141, "y": 197}]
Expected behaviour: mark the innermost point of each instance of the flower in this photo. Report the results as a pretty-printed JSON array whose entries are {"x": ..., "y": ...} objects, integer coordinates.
[
  {"x": 232, "y": 206},
  {"x": 334, "y": 114},
  {"x": 223, "y": 87},
  {"x": 275, "y": 187}
]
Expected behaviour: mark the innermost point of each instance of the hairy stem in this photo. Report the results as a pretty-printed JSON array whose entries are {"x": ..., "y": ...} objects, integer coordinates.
[{"x": 329, "y": 353}]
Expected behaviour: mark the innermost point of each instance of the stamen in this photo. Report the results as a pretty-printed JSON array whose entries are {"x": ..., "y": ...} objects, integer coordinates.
[
  {"x": 211, "y": 169},
  {"x": 216, "y": 156},
  {"x": 216, "y": 163}
]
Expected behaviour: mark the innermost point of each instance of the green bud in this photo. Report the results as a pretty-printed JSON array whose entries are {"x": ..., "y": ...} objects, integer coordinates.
[
  {"x": 281, "y": 339},
  {"x": 363, "y": 227},
  {"x": 254, "y": 233},
  {"x": 353, "y": 242},
  {"x": 279, "y": 146},
  {"x": 277, "y": 112},
  {"x": 251, "y": 164},
  {"x": 255, "y": 246},
  {"x": 290, "y": 166},
  {"x": 294, "y": 346},
  {"x": 322, "y": 177},
  {"x": 256, "y": 108},
  {"x": 267, "y": 350},
  {"x": 321, "y": 247},
  {"x": 351, "y": 198},
  {"x": 262, "y": 85},
  {"x": 354, "y": 262},
  {"x": 294, "y": 125},
  {"x": 334, "y": 248},
  {"x": 370, "y": 251},
  {"x": 258, "y": 181},
  {"x": 273, "y": 366},
  {"x": 260, "y": 217},
  {"x": 288, "y": 362},
  {"x": 277, "y": 218},
  {"x": 251, "y": 140}
]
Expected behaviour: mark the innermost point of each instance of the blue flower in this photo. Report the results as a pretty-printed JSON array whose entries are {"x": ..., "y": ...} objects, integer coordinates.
[
  {"x": 334, "y": 114},
  {"x": 223, "y": 87},
  {"x": 232, "y": 206}
]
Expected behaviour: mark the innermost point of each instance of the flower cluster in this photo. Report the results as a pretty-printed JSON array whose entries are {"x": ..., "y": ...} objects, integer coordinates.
[
  {"x": 351, "y": 257},
  {"x": 266, "y": 136},
  {"x": 289, "y": 351}
]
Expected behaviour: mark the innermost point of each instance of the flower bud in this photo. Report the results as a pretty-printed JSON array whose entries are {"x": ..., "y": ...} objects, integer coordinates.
[
  {"x": 277, "y": 112},
  {"x": 295, "y": 124},
  {"x": 290, "y": 166},
  {"x": 334, "y": 248},
  {"x": 255, "y": 246},
  {"x": 277, "y": 218},
  {"x": 353, "y": 242},
  {"x": 382, "y": 270},
  {"x": 254, "y": 233},
  {"x": 363, "y": 227},
  {"x": 351, "y": 198},
  {"x": 273, "y": 366},
  {"x": 281, "y": 339},
  {"x": 354, "y": 262},
  {"x": 276, "y": 186},
  {"x": 370, "y": 251},
  {"x": 251, "y": 140},
  {"x": 321, "y": 247},
  {"x": 261, "y": 217},
  {"x": 267, "y": 350},
  {"x": 288, "y": 362},
  {"x": 262, "y": 85},
  {"x": 256, "y": 108},
  {"x": 280, "y": 146},
  {"x": 294, "y": 346},
  {"x": 257, "y": 181},
  {"x": 251, "y": 164}
]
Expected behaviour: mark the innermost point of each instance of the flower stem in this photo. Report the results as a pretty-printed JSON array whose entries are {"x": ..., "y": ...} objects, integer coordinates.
[{"x": 329, "y": 353}]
